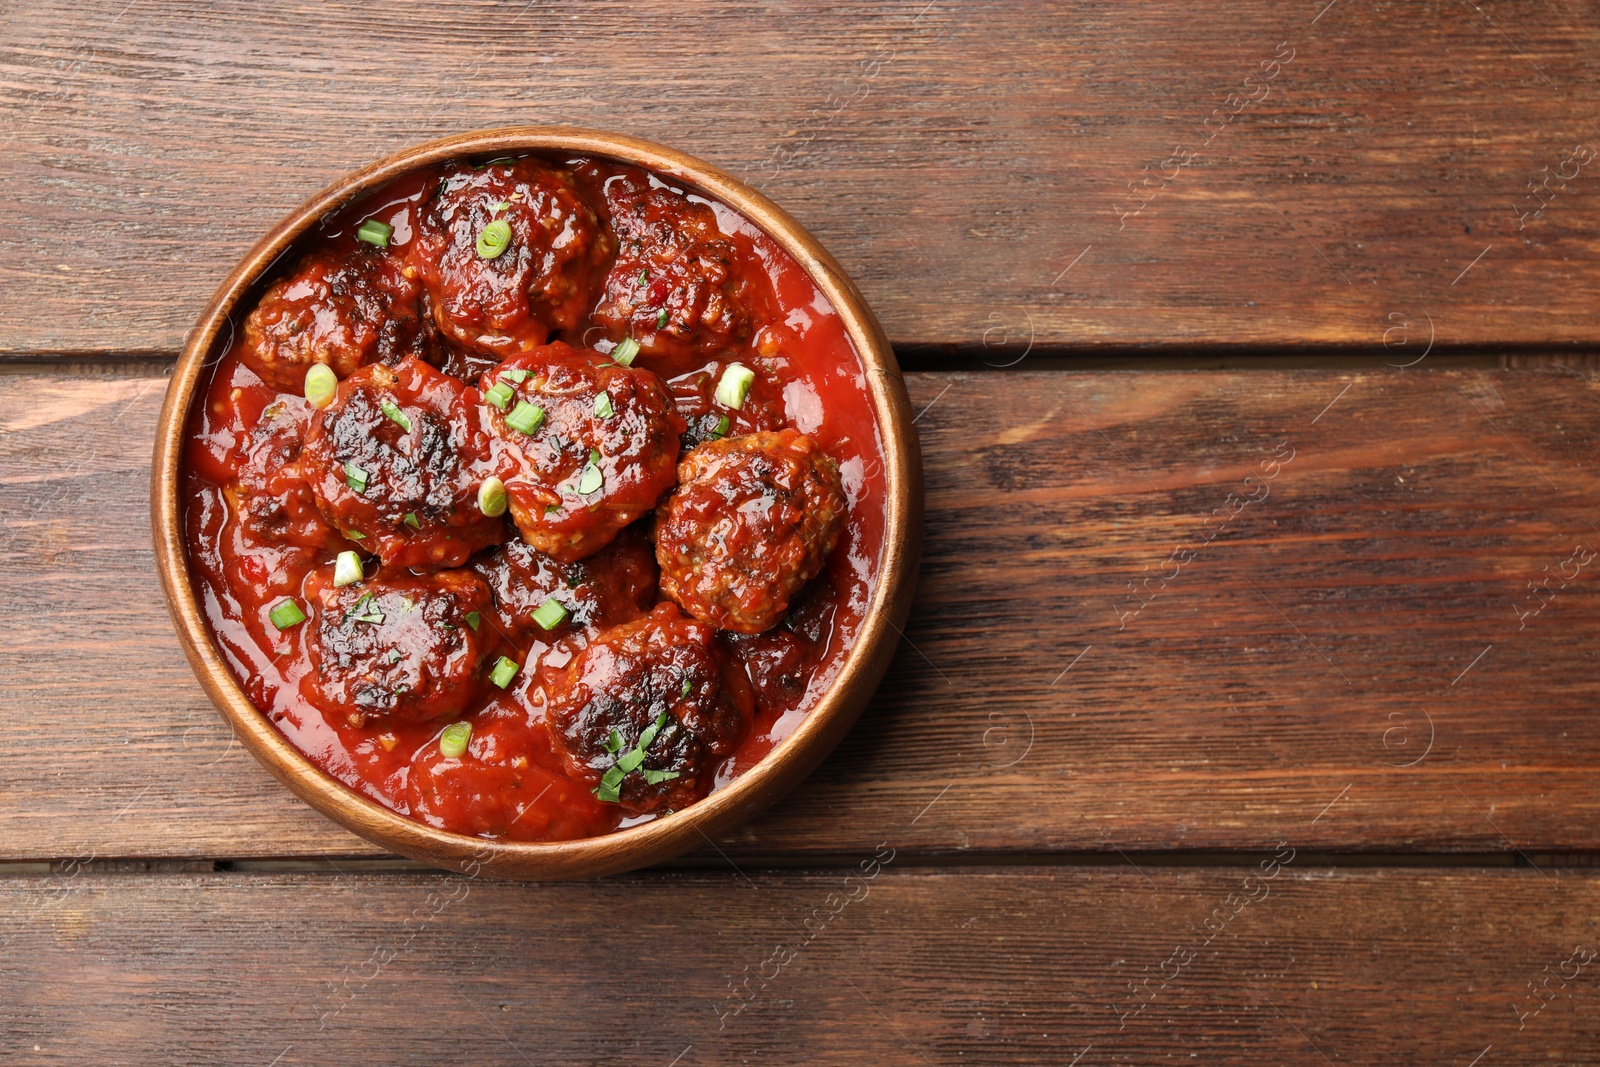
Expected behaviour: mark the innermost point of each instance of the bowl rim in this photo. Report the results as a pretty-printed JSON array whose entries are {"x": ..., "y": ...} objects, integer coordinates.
[{"x": 779, "y": 770}]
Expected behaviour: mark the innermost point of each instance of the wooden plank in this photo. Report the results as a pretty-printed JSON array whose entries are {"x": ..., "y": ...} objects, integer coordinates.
[
  {"x": 958, "y": 159},
  {"x": 1007, "y": 966},
  {"x": 1284, "y": 683}
]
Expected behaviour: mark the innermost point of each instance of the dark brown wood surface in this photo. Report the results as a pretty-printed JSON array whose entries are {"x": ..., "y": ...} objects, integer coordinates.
[
  {"x": 1385, "y": 658},
  {"x": 958, "y": 159},
  {"x": 1353, "y": 661},
  {"x": 912, "y": 966}
]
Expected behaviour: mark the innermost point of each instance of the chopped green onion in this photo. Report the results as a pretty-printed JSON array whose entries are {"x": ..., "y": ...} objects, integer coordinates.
[
  {"x": 492, "y": 497},
  {"x": 525, "y": 417},
  {"x": 661, "y": 319},
  {"x": 375, "y": 233},
  {"x": 494, "y": 239},
  {"x": 686, "y": 687},
  {"x": 735, "y": 385},
  {"x": 395, "y": 415},
  {"x": 644, "y": 276},
  {"x": 501, "y": 206},
  {"x": 720, "y": 430},
  {"x": 499, "y": 395},
  {"x": 355, "y": 477},
  {"x": 504, "y": 671},
  {"x": 355, "y": 535},
  {"x": 590, "y": 480},
  {"x": 320, "y": 384},
  {"x": 610, "y": 786},
  {"x": 372, "y": 614},
  {"x": 453, "y": 741},
  {"x": 626, "y": 349},
  {"x": 550, "y": 614},
  {"x": 347, "y": 570},
  {"x": 516, "y": 374},
  {"x": 286, "y": 614},
  {"x": 650, "y": 732},
  {"x": 412, "y": 521},
  {"x": 473, "y": 619},
  {"x": 602, "y": 406}
]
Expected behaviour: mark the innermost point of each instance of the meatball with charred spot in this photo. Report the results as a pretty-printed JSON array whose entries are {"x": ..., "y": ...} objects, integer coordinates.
[
  {"x": 340, "y": 309},
  {"x": 613, "y": 586},
  {"x": 396, "y": 648},
  {"x": 508, "y": 253},
  {"x": 396, "y": 461},
  {"x": 678, "y": 285},
  {"x": 752, "y": 521},
  {"x": 586, "y": 445},
  {"x": 270, "y": 498},
  {"x": 648, "y": 710}
]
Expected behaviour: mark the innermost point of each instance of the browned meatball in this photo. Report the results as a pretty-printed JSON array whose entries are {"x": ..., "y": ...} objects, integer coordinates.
[
  {"x": 399, "y": 648},
  {"x": 648, "y": 711},
  {"x": 507, "y": 297},
  {"x": 678, "y": 285},
  {"x": 602, "y": 451},
  {"x": 752, "y": 520},
  {"x": 613, "y": 586},
  {"x": 342, "y": 309},
  {"x": 396, "y": 459},
  {"x": 270, "y": 497}
]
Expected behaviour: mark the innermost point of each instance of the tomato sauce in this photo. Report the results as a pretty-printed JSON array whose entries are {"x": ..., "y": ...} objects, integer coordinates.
[{"x": 512, "y": 782}]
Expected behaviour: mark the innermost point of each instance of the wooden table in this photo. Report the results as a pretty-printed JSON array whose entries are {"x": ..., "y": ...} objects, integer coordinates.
[{"x": 1247, "y": 713}]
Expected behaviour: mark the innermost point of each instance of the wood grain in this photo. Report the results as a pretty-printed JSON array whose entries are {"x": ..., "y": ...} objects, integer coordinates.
[
  {"x": 957, "y": 158},
  {"x": 1275, "y": 689},
  {"x": 1008, "y": 966}
]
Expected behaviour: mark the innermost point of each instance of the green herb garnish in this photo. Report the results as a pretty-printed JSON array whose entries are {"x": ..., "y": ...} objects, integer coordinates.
[
  {"x": 375, "y": 233},
  {"x": 453, "y": 741},
  {"x": 626, "y": 349},
  {"x": 494, "y": 239},
  {"x": 286, "y": 614},
  {"x": 550, "y": 614},
  {"x": 499, "y": 395},
  {"x": 504, "y": 671},
  {"x": 525, "y": 417}
]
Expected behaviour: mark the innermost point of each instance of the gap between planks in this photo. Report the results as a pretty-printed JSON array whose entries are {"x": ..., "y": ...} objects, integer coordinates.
[{"x": 975, "y": 862}]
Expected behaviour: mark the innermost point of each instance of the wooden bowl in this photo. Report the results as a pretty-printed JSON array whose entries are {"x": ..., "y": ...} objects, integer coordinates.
[{"x": 650, "y": 842}]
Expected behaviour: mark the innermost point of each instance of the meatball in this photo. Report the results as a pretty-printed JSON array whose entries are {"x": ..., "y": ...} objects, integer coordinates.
[
  {"x": 396, "y": 460},
  {"x": 396, "y": 648},
  {"x": 270, "y": 498},
  {"x": 344, "y": 310},
  {"x": 678, "y": 285},
  {"x": 507, "y": 295},
  {"x": 596, "y": 448},
  {"x": 613, "y": 586},
  {"x": 752, "y": 521},
  {"x": 648, "y": 711}
]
